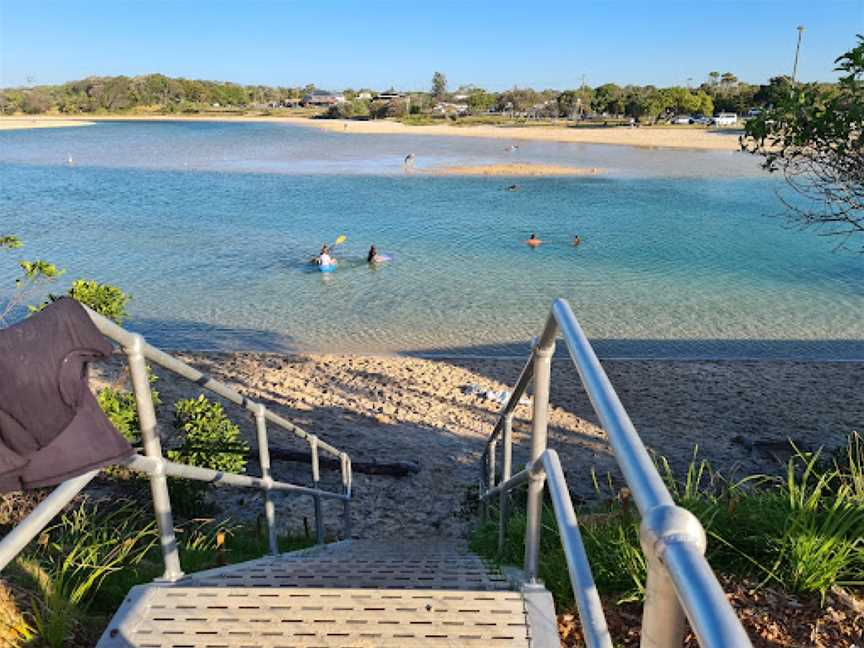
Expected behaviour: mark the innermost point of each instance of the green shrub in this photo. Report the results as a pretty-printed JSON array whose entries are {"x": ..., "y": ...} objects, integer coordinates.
[
  {"x": 107, "y": 300},
  {"x": 121, "y": 409},
  {"x": 208, "y": 439},
  {"x": 119, "y": 406}
]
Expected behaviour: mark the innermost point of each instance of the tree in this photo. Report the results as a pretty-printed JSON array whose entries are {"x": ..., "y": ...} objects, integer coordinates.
[
  {"x": 480, "y": 101},
  {"x": 681, "y": 100},
  {"x": 728, "y": 79},
  {"x": 517, "y": 100},
  {"x": 813, "y": 136},
  {"x": 35, "y": 102},
  {"x": 777, "y": 89},
  {"x": 715, "y": 77},
  {"x": 705, "y": 104},
  {"x": 439, "y": 86},
  {"x": 569, "y": 103},
  {"x": 608, "y": 98}
]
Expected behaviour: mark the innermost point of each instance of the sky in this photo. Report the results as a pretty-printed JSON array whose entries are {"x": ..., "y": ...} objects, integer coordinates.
[{"x": 378, "y": 44}]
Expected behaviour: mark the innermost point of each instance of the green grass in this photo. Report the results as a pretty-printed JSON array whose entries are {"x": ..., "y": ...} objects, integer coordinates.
[
  {"x": 80, "y": 569},
  {"x": 803, "y": 531}
]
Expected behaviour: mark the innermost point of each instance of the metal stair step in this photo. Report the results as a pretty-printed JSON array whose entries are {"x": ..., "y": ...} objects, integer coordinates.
[{"x": 155, "y": 616}]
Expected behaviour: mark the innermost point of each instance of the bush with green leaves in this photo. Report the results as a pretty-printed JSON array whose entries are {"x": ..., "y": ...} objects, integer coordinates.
[
  {"x": 208, "y": 439},
  {"x": 107, "y": 300},
  {"x": 121, "y": 409}
]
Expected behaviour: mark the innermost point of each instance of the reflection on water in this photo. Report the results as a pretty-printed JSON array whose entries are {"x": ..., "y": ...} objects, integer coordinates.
[{"x": 211, "y": 227}]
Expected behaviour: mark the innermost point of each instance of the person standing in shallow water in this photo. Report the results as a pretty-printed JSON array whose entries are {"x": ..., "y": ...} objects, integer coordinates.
[
  {"x": 533, "y": 241},
  {"x": 577, "y": 240}
]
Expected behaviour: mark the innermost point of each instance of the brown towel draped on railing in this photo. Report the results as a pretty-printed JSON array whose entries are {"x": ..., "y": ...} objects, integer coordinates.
[{"x": 51, "y": 427}]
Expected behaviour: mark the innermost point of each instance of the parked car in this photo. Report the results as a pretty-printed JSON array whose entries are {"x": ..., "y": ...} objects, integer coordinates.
[
  {"x": 702, "y": 120},
  {"x": 682, "y": 119},
  {"x": 754, "y": 112},
  {"x": 725, "y": 119}
]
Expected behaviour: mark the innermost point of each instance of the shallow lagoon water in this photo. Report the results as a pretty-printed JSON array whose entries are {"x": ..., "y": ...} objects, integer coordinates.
[{"x": 210, "y": 227}]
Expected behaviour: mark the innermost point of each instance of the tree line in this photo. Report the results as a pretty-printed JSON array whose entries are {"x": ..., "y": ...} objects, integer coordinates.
[
  {"x": 152, "y": 91},
  {"x": 157, "y": 92}
]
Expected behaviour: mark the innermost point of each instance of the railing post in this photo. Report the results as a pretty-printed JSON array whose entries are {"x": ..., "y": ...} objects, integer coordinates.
[
  {"x": 490, "y": 472},
  {"x": 481, "y": 485},
  {"x": 542, "y": 377},
  {"x": 264, "y": 460},
  {"x": 346, "y": 490},
  {"x": 506, "y": 469},
  {"x": 316, "y": 477},
  {"x": 662, "y": 613},
  {"x": 153, "y": 449}
]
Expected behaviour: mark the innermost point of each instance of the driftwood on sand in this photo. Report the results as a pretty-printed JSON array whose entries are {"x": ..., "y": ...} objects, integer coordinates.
[{"x": 391, "y": 469}]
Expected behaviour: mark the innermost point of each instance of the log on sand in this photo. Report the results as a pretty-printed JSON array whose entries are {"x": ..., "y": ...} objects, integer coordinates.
[{"x": 391, "y": 469}]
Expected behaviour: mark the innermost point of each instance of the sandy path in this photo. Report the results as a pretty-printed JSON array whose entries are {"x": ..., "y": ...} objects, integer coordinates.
[
  {"x": 400, "y": 408},
  {"x": 686, "y": 138}
]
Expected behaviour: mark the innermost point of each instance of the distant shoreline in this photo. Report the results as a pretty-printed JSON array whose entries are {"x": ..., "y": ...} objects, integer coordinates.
[{"x": 672, "y": 138}]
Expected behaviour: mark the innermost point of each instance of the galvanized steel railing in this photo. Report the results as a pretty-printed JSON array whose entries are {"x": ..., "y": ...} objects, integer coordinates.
[
  {"x": 680, "y": 582},
  {"x": 158, "y": 468}
]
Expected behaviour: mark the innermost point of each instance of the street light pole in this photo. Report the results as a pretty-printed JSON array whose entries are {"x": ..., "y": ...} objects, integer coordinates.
[{"x": 797, "y": 51}]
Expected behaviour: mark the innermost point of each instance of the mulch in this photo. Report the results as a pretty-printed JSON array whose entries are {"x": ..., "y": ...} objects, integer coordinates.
[{"x": 772, "y": 618}]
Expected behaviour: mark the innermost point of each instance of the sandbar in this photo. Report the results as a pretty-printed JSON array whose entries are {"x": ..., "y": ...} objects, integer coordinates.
[
  {"x": 21, "y": 123},
  {"x": 513, "y": 170}
]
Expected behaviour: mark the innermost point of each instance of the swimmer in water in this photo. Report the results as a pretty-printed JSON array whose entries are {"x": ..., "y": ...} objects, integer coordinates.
[
  {"x": 576, "y": 241},
  {"x": 533, "y": 241},
  {"x": 373, "y": 256},
  {"x": 513, "y": 187}
]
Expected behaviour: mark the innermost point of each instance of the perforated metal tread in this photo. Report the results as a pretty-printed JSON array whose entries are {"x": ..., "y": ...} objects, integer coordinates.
[
  {"x": 350, "y": 594},
  {"x": 362, "y": 564},
  {"x": 219, "y": 617}
]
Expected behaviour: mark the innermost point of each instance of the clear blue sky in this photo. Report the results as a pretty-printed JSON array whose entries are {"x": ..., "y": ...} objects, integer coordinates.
[{"x": 378, "y": 44}]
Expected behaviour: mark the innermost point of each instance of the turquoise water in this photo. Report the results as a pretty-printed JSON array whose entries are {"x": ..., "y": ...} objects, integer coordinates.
[{"x": 209, "y": 226}]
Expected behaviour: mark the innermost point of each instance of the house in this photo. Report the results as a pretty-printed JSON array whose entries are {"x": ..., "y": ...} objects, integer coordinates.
[
  {"x": 322, "y": 98},
  {"x": 390, "y": 95},
  {"x": 447, "y": 108}
]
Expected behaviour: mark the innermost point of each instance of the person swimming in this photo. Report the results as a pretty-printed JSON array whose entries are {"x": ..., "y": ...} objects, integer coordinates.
[
  {"x": 533, "y": 241},
  {"x": 513, "y": 187},
  {"x": 373, "y": 256},
  {"x": 577, "y": 240}
]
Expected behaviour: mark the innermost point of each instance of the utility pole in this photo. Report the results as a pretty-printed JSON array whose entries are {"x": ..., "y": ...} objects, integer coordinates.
[{"x": 797, "y": 51}]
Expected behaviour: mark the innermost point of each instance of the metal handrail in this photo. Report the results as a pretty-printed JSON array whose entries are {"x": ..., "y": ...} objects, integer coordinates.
[
  {"x": 158, "y": 468},
  {"x": 679, "y": 582}
]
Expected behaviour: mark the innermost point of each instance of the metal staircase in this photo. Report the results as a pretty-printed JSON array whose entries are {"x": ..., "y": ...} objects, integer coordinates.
[
  {"x": 399, "y": 594},
  {"x": 348, "y": 594}
]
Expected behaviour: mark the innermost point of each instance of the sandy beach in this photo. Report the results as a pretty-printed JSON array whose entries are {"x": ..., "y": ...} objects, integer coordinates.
[
  {"x": 21, "y": 123},
  {"x": 679, "y": 138},
  {"x": 687, "y": 138},
  {"x": 392, "y": 408}
]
